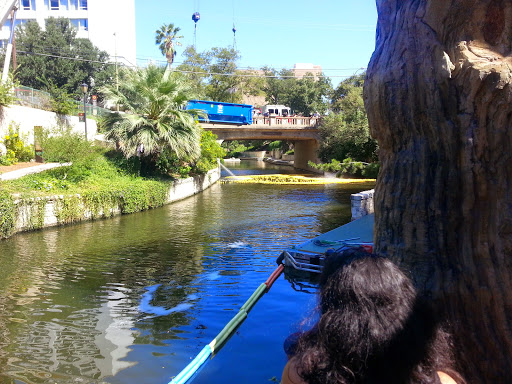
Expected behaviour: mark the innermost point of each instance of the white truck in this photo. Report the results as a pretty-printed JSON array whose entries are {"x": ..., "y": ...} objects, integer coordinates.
[{"x": 276, "y": 110}]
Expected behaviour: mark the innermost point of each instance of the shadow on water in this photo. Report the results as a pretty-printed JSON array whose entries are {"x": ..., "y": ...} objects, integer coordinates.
[{"x": 133, "y": 298}]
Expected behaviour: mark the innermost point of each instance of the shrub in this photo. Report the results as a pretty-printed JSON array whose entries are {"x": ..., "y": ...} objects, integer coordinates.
[
  {"x": 61, "y": 101},
  {"x": 168, "y": 163},
  {"x": 210, "y": 152},
  {"x": 7, "y": 95},
  {"x": 9, "y": 158},
  {"x": 275, "y": 145},
  {"x": 62, "y": 145},
  {"x": 234, "y": 148},
  {"x": 349, "y": 168},
  {"x": 16, "y": 149}
]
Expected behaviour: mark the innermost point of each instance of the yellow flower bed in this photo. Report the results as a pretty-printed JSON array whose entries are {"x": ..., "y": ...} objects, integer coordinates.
[{"x": 292, "y": 179}]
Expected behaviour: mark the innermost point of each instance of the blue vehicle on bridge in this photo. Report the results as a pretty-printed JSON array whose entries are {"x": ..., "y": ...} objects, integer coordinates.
[{"x": 226, "y": 113}]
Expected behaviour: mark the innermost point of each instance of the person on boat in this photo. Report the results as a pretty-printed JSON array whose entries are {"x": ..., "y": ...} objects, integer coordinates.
[{"x": 373, "y": 329}]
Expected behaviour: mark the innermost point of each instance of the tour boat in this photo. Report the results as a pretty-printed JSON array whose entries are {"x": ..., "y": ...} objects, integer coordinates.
[{"x": 310, "y": 255}]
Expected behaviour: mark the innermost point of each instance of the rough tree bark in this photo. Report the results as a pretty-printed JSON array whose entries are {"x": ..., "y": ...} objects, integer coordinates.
[{"x": 439, "y": 100}]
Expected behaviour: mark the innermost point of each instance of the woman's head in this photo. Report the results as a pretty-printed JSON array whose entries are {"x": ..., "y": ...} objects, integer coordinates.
[{"x": 372, "y": 328}]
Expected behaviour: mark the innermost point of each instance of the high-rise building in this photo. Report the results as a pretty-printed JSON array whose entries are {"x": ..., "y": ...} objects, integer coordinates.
[{"x": 109, "y": 24}]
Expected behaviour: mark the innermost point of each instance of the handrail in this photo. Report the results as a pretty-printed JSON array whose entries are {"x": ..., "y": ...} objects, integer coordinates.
[{"x": 301, "y": 121}]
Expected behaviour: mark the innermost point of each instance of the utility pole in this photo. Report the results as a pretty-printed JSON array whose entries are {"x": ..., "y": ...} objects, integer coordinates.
[
  {"x": 117, "y": 70},
  {"x": 8, "y": 52}
]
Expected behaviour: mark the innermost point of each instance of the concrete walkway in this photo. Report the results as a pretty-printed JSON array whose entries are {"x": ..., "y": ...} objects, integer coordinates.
[{"x": 30, "y": 170}]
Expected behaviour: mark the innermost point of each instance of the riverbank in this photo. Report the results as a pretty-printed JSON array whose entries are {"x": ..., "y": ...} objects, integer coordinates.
[{"x": 26, "y": 214}]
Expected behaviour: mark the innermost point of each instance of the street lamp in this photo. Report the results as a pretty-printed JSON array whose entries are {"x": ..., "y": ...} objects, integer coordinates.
[{"x": 84, "y": 87}]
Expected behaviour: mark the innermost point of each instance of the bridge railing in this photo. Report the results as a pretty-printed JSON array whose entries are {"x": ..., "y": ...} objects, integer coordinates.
[{"x": 299, "y": 121}]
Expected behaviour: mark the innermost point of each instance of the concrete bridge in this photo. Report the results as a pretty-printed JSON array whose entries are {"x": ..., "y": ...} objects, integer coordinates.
[{"x": 302, "y": 131}]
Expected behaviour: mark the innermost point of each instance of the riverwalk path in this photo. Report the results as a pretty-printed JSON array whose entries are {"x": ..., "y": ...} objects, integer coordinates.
[{"x": 23, "y": 169}]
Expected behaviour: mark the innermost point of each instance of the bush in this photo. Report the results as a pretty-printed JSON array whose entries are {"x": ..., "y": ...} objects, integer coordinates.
[
  {"x": 168, "y": 163},
  {"x": 62, "y": 145},
  {"x": 349, "y": 168},
  {"x": 7, "y": 95},
  {"x": 210, "y": 152},
  {"x": 16, "y": 149},
  {"x": 275, "y": 144},
  {"x": 9, "y": 158},
  {"x": 234, "y": 148},
  {"x": 61, "y": 101}
]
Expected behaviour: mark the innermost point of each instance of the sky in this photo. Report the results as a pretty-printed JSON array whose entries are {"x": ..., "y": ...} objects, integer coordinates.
[{"x": 339, "y": 35}]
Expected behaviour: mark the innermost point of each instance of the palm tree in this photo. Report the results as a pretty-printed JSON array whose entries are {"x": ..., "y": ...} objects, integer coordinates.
[
  {"x": 166, "y": 36},
  {"x": 154, "y": 118}
]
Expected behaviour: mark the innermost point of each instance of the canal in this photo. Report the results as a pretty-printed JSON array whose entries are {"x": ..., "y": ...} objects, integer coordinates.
[{"x": 134, "y": 298}]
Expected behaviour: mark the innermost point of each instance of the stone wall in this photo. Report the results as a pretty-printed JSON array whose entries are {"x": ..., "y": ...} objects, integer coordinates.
[
  {"x": 44, "y": 212},
  {"x": 361, "y": 204}
]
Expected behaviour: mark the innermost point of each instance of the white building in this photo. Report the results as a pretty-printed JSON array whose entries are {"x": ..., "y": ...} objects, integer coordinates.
[{"x": 109, "y": 24}]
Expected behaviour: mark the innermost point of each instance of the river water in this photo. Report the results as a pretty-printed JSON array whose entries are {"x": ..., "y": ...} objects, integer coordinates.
[{"x": 134, "y": 298}]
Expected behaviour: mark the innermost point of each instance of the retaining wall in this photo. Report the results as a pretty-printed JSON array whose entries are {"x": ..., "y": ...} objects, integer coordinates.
[
  {"x": 39, "y": 213},
  {"x": 28, "y": 118},
  {"x": 361, "y": 204}
]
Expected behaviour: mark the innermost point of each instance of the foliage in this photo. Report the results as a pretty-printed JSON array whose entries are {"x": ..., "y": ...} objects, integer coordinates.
[
  {"x": 7, "y": 214},
  {"x": 154, "y": 118},
  {"x": 234, "y": 148},
  {"x": 62, "y": 145},
  {"x": 167, "y": 37},
  {"x": 306, "y": 95},
  {"x": 275, "y": 144},
  {"x": 309, "y": 96},
  {"x": 349, "y": 168},
  {"x": 43, "y": 64},
  {"x": 16, "y": 149},
  {"x": 210, "y": 152},
  {"x": 61, "y": 101},
  {"x": 344, "y": 88},
  {"x": 101, "y": 183},
  {"x": 278, "y": 85},
  {"x": 346, "y": 134},
  {"x": 9, "y": 158},
  {"x": 7, "y": 95},
  {"x": 215, "y": 76},
  {"x": 168, "y": 163}
]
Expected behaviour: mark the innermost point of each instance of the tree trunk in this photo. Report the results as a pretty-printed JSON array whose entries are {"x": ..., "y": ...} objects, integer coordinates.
[{"x": 439, "y": 100}]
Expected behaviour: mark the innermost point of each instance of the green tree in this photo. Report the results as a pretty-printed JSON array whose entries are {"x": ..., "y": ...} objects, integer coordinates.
[
  {"x": 196, "y": 66},
  {"x": 155, "y": 118},
  {"x": 277, "y": 84},
  {"x": 222, "y": 81},
  {"x": 308, "y": 95},
  {"x": 345, "y": 132},
  {"x": 54, "y": 57},
  {"x": 346, "y": 87},
  {"x": 167, "y": 37}
]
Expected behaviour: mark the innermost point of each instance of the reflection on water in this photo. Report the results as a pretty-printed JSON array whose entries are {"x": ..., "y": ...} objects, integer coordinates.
[{"x": 132, "y": 299}]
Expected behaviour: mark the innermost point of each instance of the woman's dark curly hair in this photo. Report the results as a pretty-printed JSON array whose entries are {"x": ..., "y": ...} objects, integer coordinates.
[{"x": 372, "y": 327}]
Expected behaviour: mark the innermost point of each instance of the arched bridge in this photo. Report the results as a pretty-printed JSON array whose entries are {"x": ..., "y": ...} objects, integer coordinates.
[{"x": 303, "y": 131}]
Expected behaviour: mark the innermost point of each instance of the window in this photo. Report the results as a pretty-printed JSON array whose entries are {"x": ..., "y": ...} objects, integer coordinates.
[
  {"x": 64, "y": 4},
  {"x": 80, "y": 24},
  {"x": 54, "y": 5},
  {"x": 27, "y": 5},
  {"x": 83, "y": 4}
]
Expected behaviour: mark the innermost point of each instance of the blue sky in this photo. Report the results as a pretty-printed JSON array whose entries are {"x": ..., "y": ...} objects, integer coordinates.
[{"x": 339, "y": 35}]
